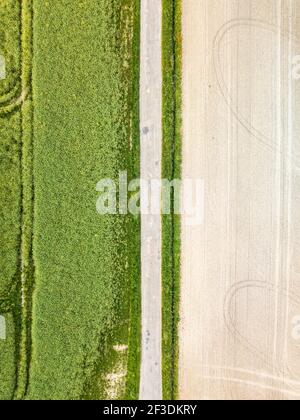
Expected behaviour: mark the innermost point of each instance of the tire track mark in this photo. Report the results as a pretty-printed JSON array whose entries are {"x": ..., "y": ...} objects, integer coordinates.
[{"x": 26, "y": 257}]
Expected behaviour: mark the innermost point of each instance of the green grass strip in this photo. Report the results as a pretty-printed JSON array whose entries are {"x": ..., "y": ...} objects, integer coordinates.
[{"x": 171, "y": 170}]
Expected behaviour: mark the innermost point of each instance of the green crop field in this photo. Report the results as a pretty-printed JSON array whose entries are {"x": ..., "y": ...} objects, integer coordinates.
[
  {"x": 10, "y": 194},
  {"x": 69, "y": 281}
]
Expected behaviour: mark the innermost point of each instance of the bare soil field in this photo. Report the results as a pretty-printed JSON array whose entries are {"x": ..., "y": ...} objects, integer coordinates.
[{"x": 240, "y": 293}]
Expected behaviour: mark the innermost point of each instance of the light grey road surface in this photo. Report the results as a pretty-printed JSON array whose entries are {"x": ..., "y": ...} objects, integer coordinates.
[{"x": 151, "y": 146}]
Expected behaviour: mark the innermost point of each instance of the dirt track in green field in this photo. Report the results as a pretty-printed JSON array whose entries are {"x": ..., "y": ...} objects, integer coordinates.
[{"x": 69, "y": 117}]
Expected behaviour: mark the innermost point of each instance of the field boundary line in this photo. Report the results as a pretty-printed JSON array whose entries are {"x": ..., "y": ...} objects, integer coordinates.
[{"x": 26, "y": 258}]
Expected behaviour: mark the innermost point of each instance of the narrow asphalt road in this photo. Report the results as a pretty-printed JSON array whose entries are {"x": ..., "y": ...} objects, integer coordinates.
[{"x": 151, "y": 150}]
